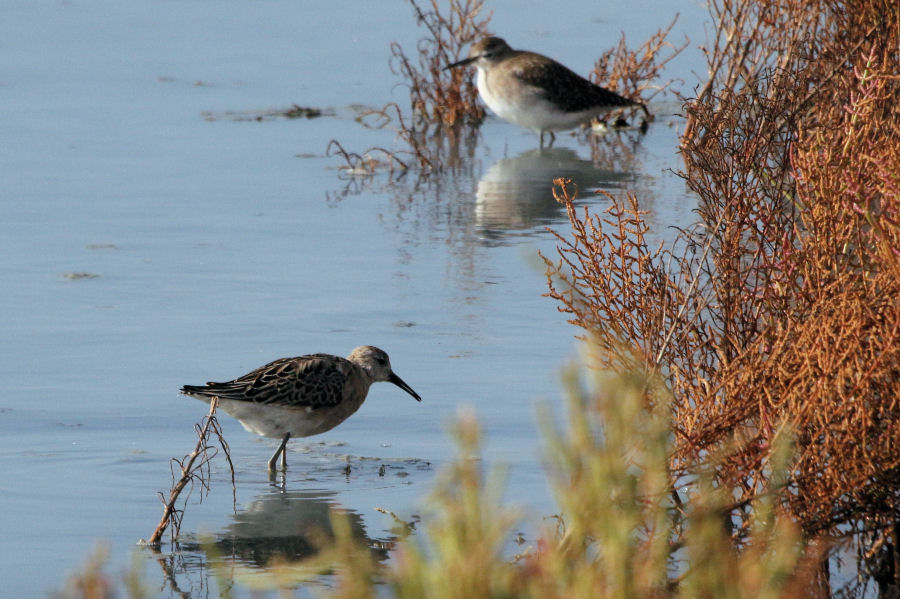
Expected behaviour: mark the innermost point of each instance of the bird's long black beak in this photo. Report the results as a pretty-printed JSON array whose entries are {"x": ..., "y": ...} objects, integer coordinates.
[
  {"x": 399, "y": 382},
  {"x": 461, "y": 63}
]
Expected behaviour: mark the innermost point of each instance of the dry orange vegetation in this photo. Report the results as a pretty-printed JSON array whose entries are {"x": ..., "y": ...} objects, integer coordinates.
[{"x": 779, "y": 313}]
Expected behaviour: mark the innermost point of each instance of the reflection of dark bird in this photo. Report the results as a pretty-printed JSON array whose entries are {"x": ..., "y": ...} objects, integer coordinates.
[
  {"x": 516, "y": 194},
  {"x": 536, "y": 92},
  {"x": 301, "y": 396},
  {"x": 288, "y": 526}
]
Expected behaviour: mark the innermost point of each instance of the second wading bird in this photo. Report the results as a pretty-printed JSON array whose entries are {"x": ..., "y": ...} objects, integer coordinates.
[
  {"x": 536, "y": 92},
  {"x": 302, "y": 396}
]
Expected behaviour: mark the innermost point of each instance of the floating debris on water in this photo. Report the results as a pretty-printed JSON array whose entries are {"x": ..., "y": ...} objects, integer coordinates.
[{"x": 295, "y": 111}]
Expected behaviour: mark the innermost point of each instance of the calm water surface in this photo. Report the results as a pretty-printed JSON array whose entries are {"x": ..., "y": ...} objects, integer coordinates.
[{"x": 153, "y": 233}]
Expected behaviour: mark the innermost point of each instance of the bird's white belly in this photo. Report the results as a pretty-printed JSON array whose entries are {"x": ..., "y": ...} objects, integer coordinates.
[
  {"x": 275, "y": 421},
  {"x": 526, "y": 107}
]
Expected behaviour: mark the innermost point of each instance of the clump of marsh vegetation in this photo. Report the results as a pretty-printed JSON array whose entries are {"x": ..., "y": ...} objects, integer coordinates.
[
  {"x": 441, "y": 99},
  {"x": 443, "y": 106},
  {"x": 622, "y": 529},
  {"x": 634, "y": 73},
  {"x": 778, "y": 312}
]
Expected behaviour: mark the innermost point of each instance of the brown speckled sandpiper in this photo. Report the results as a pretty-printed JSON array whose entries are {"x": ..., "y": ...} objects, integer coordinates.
[{"x": 301, "y": 396}]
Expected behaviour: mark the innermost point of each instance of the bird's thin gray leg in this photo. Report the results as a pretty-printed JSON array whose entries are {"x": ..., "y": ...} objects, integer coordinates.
[
  {"x": 552, "y": 139},
  {"x": 281, "y": 451}
]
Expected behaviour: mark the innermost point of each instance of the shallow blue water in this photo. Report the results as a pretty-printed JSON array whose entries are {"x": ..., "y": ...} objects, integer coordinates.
[{"x": 214, "y": 243}]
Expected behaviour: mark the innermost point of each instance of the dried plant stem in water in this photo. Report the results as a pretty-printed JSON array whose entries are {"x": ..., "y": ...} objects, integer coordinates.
[
  {"x": 194, "y": 470},
  {"x": 440, "y": 98},
  {"x": 443, "y": 105},
  {"x": 631, "y": 73},
  {"x": 365, "y": 164}
]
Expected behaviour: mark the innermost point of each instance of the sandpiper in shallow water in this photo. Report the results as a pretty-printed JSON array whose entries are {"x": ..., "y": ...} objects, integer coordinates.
[
  {"x": 301, "y": 396},
  {"x": 536, "y": 92}
]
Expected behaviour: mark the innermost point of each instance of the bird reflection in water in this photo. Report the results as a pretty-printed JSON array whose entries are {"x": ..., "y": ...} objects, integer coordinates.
[
  {"x": 277, "y": 528},
  {"x": 516, "y": 194}
]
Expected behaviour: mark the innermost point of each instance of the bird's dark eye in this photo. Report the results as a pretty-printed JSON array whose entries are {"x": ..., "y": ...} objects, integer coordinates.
[{"x": 381, "y": 360}]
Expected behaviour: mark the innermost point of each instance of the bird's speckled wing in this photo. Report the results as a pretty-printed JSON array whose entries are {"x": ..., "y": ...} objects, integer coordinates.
[
  {"x": 566, "y": 89},
  {"x": 311, "y": 381}
]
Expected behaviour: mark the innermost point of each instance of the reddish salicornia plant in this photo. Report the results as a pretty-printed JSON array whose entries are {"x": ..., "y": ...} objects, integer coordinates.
[
  {"x": 440, "y": 98},
  {"x": 632, "y": 73},
  {"x": 779, "y": 310}
]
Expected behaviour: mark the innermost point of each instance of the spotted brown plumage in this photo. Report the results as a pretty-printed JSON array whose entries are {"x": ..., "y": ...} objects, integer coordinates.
[
  {"x": 301, "y": 396},
  {"x": 310, "y": 381}
]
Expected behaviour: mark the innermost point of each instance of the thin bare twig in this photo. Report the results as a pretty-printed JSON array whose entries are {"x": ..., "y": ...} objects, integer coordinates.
[{"x": 194, "y": 469}]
